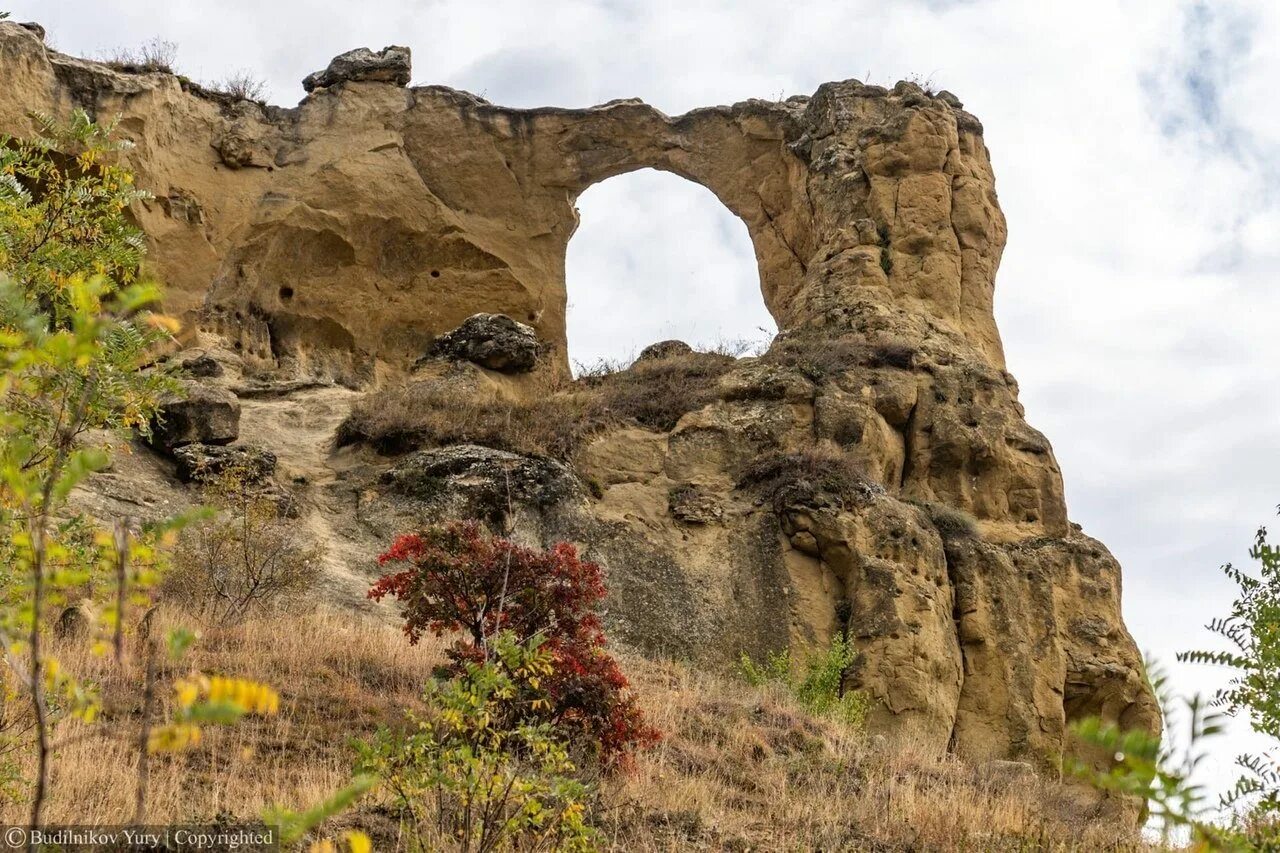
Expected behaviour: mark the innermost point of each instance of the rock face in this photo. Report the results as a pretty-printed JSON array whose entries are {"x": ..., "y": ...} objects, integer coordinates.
[{"x": 337, "y": 240}]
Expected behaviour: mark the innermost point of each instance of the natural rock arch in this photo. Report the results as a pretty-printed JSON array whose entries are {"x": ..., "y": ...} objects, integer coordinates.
[
  {"x": 337, "y": 239},
  {"x": 349, "y": 230},
  {"x": 655, "y": 257}
]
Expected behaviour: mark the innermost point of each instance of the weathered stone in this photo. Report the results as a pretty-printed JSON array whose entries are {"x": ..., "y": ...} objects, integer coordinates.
[
  {"x": 202, "y": 414},
  {"x": 206, "y": 462},
  {"x": 494, "y": 341},
  {"x": 693, "y": 505},
  {"x": 480, "y": 482},
  {"x": 201, "y": 367},
  {"x": 390, "y": 65},
  {"x": 182, "y": 206},
  {"x": 1005, "y": 772},
  {"x": 664, "y": 349},
  {"x": 76, "y": 621}
]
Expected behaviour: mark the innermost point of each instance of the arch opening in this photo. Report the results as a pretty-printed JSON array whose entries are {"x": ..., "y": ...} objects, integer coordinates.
[{"x": 658, "y": 257}]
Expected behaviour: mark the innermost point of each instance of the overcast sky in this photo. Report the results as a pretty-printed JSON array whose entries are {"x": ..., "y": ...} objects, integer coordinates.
[{"x": 1137, "y": 155}]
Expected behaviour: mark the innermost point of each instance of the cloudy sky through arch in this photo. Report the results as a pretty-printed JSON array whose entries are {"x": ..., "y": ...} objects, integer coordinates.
[{"x": 1137, "y": 154}]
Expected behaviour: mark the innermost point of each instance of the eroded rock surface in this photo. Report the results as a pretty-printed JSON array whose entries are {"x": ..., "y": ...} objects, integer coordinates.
[
  {"x": 326, "y": 246},
  {"x": 207, "y": 462}
]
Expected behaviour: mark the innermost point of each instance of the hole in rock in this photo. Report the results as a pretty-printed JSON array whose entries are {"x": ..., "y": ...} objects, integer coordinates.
[
  {"x": 657, "y": 257},
  {"x": 435, "y": 273},
  {"x": 286, "y": 293}
]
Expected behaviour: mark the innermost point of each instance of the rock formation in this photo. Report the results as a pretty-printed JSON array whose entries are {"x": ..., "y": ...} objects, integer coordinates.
[{"x": 324, "y": 249}]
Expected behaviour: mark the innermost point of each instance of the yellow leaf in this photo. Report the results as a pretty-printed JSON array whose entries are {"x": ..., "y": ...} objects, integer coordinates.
[
  {"x": 186, "y": 692},
  {"x": 165, "y": 322}
]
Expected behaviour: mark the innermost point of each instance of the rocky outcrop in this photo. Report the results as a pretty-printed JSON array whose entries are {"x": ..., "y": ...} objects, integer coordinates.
[
  {"x": 494, "y": 341},
  {"x": 203, "y": 413},
  {"x": 362, "y": 65},
  {"x": 872, "y": 474},
  {"x": 664, "y": 349},
  {"x": 204, "y": 463}
]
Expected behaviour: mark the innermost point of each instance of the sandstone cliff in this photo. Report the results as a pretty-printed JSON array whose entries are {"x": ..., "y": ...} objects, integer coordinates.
[{"x": 320, "y": 252}]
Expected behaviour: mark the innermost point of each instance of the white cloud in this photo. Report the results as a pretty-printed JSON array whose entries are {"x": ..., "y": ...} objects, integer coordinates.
[{"x": 1135, "y": 147}]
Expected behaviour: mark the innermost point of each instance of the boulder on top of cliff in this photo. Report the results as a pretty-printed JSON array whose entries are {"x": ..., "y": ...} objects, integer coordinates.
[
  {"x": 390, "y": 65},
  {"x": 202, "y": 414},
  {"x": 664, "y": 349},
  {"x": 494, "y": 341},
  {"x": 199, "y": 462}
]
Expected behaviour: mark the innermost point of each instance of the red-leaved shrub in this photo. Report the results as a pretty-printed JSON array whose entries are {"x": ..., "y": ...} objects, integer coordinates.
[{"x": 460, "y": 579}]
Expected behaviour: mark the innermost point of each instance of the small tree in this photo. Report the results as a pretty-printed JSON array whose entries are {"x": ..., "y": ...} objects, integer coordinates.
[
  {"x": 248, "y": 556},
  {"x": 460, "y": 579},
  {"x": 76, "y": 338},
  {"x": 1253, "y": 630},
  {"x": 484, "y": 770},
  {"x": 820, "y": 688}
]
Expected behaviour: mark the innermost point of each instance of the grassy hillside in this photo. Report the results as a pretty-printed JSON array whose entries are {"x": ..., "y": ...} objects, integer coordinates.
[{"x": 739, "y": 768}]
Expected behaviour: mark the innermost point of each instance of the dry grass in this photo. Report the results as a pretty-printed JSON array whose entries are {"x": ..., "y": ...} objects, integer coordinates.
[
  {"x": 950, "y": 522},
  {"x": 743, "y": 768},
  {"x": 819, "y": 356},
  {"x": 241, "y": 85},
  {"x": 653, "y": 394},
  {"x": 407, "y": 417},
  {"x": 154, "y": 55},
  {"x": 656, "y": 393},
  {"x": 740, "y": 768},
  {"x": 338, "y": 676},
  {"x": 788, "y": 479}
]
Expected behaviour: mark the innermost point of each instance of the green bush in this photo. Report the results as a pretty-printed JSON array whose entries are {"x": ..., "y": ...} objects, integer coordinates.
[
  {"x": 820, "y": 688},
  {"x": 482, "y": 770}
]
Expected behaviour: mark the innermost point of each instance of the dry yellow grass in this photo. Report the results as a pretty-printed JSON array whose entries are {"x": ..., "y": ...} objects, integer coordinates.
[
  {"x": 740, "y": 768},
  {"x": 745, "y": 769},
  {"x": 431, "y": 413},
  {"x": 339, "y": 676}
]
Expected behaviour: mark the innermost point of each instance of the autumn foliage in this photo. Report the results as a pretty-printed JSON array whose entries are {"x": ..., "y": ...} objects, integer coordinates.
[{"x": 457, "y": 578}]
